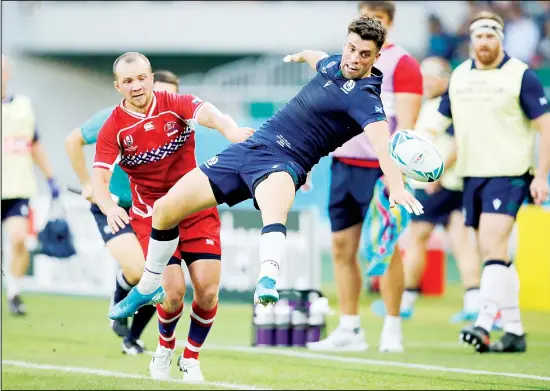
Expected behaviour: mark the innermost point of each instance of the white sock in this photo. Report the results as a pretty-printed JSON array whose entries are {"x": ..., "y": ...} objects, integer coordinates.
[
  {"x": 162, "y": 245},
  {"x": 13, "y": 286},
  {"x": 408, "y": 298},
  {"x": 472, "y": 300},
  {"x": 493, "y": 287},
  {"x": 392, "y": 325},
  {"x": 350, "y": 322},
  {"x": 272, "y": 248},
  {"x": 511, "y": 318}
]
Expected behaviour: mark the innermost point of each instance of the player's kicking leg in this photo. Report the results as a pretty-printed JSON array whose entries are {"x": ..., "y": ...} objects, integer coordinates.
[
  {"x": 274, "y": 196},
  {"x": 192, "y": 193}
]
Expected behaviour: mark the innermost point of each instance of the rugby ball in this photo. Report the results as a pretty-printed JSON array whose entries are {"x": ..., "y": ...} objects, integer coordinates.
[{"x": 417, "y": 157}]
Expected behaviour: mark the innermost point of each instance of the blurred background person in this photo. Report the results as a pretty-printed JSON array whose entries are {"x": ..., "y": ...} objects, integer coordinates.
[{"x": 21, "y": 148}]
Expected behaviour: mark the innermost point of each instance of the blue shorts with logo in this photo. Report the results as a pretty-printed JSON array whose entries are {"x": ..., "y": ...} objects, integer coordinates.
[
  {"x": 15, "y": 207},
  {"x": 235, "y": 172},
  {"x": 438, "y": 206},
  {"x": 104, "y": 228},
  {"x": 503, "y": 195},
  {"x": 351, "y": 191}
]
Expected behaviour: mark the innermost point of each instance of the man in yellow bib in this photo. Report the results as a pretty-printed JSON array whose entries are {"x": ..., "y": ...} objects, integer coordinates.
[
  {"x": 496, "y": 104},
  {"x": 20, "y": 149}
]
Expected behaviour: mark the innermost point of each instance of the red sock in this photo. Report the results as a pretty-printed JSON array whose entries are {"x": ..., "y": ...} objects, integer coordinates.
[
  {"x": 167, "y": 326},
  {"x": 201, "y": 322}
]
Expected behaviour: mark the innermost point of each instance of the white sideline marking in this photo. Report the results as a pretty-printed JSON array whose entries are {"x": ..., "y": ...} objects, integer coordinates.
[
  {"x": 357, "y": 360},
  {"x": 102, "y": 372}
]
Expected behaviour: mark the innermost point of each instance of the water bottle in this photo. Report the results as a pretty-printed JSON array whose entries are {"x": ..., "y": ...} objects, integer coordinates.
[
  {"x": 316, "y": 319},
  {"x": 264, "y": 321},
  {"x": 283, "y": 314},
  {"x": 299, "y": 324}
]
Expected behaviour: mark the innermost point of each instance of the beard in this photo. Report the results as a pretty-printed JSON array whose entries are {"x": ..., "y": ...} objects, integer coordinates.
[{"x": 487, "y": 56}]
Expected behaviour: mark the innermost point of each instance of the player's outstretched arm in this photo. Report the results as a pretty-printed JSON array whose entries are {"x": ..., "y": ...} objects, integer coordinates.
[
  {"x": 379, "y": 136},
  {"x": 74, "y": 145},
  {"x": 312, "y": 57},
  {"x": 210, "y": 117}
]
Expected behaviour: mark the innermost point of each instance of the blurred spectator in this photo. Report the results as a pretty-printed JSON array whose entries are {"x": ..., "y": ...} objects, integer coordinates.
[
  {"x": 442, "y": 44},
  {"x": 462, "y": 49},
  {"x": 521, "y": 34},
  {"x": 544, "y": 45}
]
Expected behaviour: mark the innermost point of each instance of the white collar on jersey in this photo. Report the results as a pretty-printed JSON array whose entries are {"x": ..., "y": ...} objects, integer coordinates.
[{"x": 140, "y": 115}]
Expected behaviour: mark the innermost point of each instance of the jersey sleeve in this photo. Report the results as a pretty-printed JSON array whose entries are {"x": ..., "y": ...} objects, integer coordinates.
[
  {"x": 531, "y": 97},
  {"x": 186, "y": 106},
  {"x": 107, "y": 150},
  {"x": 367, "y": 111},
  {"x": 445, "y": 105},
  {"x": 327, "y": 60},
  {"x": 407, "y": 77},
  {"x": 90, "y": 128}
]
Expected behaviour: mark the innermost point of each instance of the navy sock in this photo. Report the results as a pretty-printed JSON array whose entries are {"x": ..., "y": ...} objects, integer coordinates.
[
  {"x": 122, "y": 288},
  {"x": 141, "y": 319}
]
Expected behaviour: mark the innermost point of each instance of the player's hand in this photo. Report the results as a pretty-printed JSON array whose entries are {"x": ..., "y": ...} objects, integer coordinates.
[
  {"x": 539, "y": 190},
  {"x": 293, "y": 58},
  {"x": 87, "y": 192},
  {"x": 240, "y": 134},
  {"x": 403, "y": 197},
  {"x": 433, "y": 187},
  {"x": 117, "y": 218}
]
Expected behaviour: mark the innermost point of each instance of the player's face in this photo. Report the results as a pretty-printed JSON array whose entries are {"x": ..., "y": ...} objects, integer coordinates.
[
  {"x": 379, "y": 14},
  {"x": 358, "y": 57},
  {"x": 486, "y": 47},
  {"x": 135, "y": 83},
  {"x": 161, "y": 86}
]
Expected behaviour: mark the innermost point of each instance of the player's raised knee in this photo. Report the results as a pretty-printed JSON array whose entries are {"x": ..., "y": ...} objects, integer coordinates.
[{"x": 163, "y": 214}]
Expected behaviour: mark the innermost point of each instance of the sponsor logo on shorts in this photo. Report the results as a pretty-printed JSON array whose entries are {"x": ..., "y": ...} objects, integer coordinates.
[
  {"x": 24, "y": 210},
  {"x": 107, "y": 229},
  {"x": 210, "y": 242}
]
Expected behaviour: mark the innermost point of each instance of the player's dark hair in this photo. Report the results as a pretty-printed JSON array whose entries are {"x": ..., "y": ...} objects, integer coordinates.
[
  {"x": 165, "y": 76},
  {"x": 369, "y": 28},
  {"x": 487, "y": 15},
  {"x": 385, "y": 6},
  {"x": 128, "y": 58}
]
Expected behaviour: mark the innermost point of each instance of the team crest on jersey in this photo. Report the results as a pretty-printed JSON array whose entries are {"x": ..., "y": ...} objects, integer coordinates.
[
  {"x": 348, "y": 86},
  {"x": 170, "y": 128},
  {"x": 129, "y": 143}
]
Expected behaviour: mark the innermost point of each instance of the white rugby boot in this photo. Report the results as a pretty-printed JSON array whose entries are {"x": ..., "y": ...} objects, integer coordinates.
[
  {"x": 191, "y": 369},
  {"x": 342, "y": 340},
  {"x": 159, "y": 367}
]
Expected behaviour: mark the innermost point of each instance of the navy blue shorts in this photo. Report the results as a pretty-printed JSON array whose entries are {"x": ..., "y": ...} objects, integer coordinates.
[
  {"x": 351, "y": 190},
  {"x": 15, "y": 207},
  {"x": 104, "y": 229},
  {"x": 503, "y": 195},
  {"x": 438, "y": 206},
  {"x": 235, "y": 172}
]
